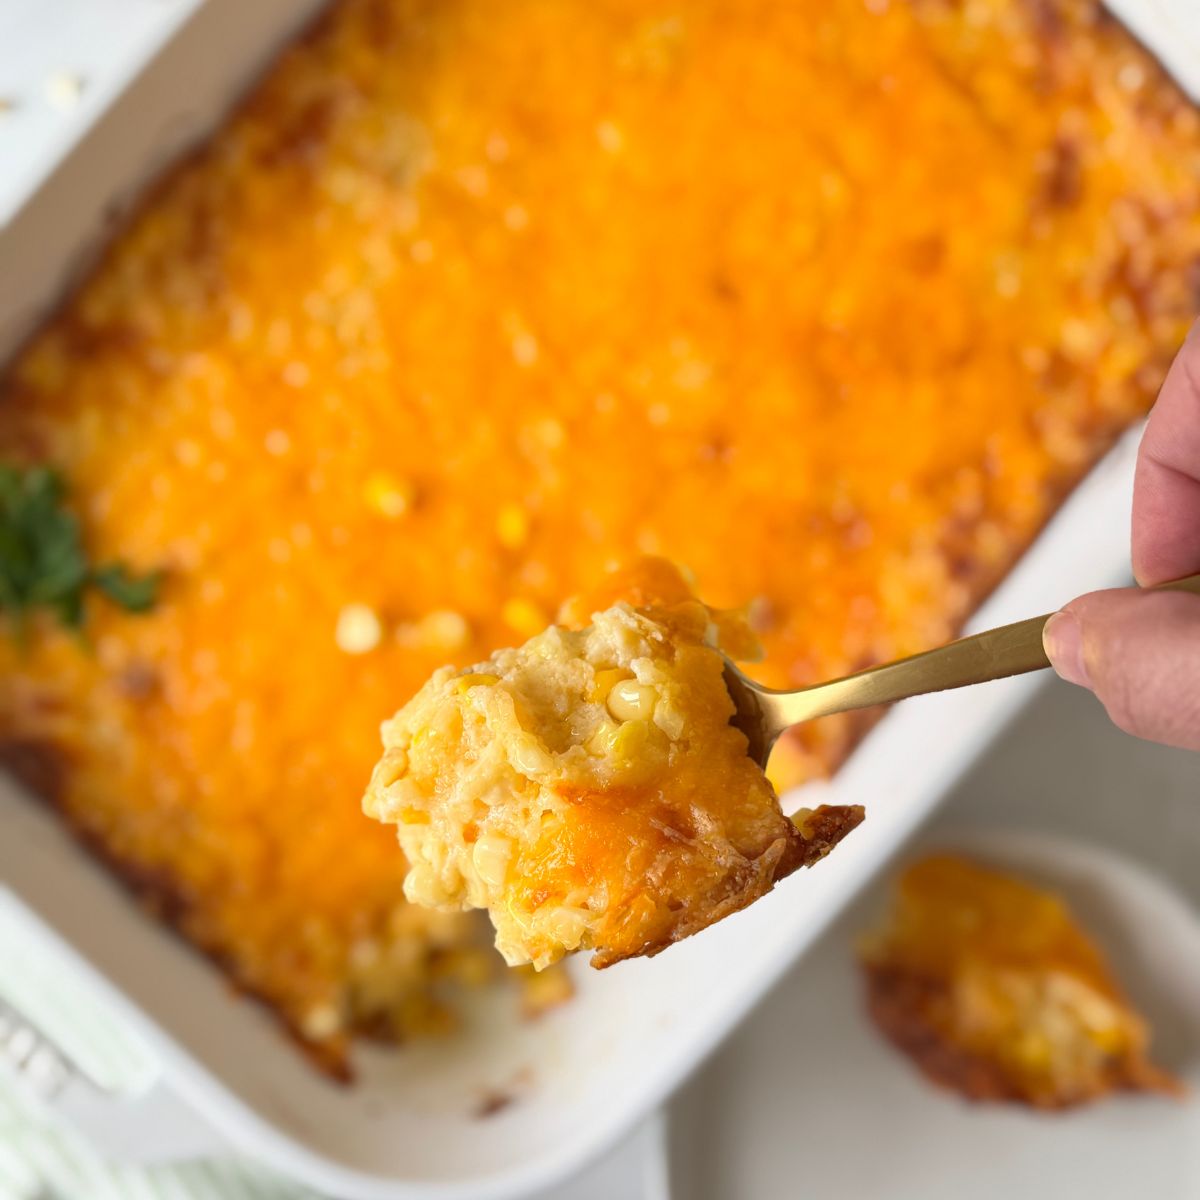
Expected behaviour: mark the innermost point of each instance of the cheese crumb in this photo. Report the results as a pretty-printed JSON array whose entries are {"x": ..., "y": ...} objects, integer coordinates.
[
  {"x": 512, "y": 526},
  {"x": 445, "y": 630},
  {"x": 64, "y": 89},
  {"x": 524, "y": 616},
  {"x": 359, "y": 629},
  {"x": 387, "y": 495},
  {"x": 610, "y": 137}
]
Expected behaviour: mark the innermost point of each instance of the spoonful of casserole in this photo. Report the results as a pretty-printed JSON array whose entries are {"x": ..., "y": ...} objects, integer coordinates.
[{"x": 588, "y": 788}]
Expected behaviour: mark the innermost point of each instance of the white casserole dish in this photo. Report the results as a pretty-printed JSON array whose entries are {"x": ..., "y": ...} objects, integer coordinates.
[{"x": 587, "y": 1073}]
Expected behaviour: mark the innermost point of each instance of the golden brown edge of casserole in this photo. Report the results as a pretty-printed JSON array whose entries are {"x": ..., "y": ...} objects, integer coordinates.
[
  {"x": 827, "y": 826},
  {"x": 41, "y": 767}
]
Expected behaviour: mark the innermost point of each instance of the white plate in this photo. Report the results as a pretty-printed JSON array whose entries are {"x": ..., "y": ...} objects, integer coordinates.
[{"x": 809, "y": 1100}]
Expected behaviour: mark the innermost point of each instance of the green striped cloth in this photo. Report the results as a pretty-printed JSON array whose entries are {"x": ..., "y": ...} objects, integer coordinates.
[{"x": 42, "y": 1159}]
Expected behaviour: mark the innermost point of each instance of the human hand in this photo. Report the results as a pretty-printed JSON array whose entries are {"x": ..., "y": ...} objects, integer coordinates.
[{"x": 1138, "y": 651}]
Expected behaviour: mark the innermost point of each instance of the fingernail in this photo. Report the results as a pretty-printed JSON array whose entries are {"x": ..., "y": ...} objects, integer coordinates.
[{"x": 1063, "y": 640}]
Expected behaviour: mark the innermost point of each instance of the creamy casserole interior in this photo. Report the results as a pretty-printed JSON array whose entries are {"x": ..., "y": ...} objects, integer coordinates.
[{"x": 587, "y": 789}]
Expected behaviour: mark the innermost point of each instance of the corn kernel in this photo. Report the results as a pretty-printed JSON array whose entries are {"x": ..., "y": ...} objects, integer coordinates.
[
  {"x": 800, "y": 819},
  {"x": 610, "y": 137},
  {"x": 387, "y": 495},
  {"x": 512, "y": 526},
  {"x": 565, "y": 926},
  {"x": 631, "y": 740},
  {"x": 634, "y": 747},
  {"x": 359, "y": 629},
  {"x": 529, "y": 756},
  {"x": 1033, "y": 1049},
  {"x": 423, "y": 885},
  {"x": 516, "y": 217},
  {"x": 464, "y": 683},
  {"x": 491, "y": 857},
  {"x": 320, "y": 1022},
  {"x": 419, "y": 884},
  {"x": 670, "y": 720},
  {"x": 392, "y": 767},
  {"x": 603, "y": 683},
  {"x": 1092, "y": 1010},
  {"x": 64, "y": 89},
  {"x": 632, "y": 701},
  {"x": 525, "y": 349},
  {"x": 1111, "y": 1038},
  {"x": 524, "y": 616},
  {"x": 601, "y": 742},
  {"x": 444, "y": 631}
]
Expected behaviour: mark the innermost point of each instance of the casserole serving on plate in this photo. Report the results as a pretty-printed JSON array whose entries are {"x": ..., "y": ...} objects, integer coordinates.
[{"x": 455, "y": 311}]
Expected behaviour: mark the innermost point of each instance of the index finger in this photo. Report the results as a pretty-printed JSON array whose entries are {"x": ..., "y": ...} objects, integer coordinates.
[{"x": 1166, "y": 487}]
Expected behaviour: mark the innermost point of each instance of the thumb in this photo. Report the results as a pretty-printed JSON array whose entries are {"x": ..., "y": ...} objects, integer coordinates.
[{"x": 1139, "y": 651}]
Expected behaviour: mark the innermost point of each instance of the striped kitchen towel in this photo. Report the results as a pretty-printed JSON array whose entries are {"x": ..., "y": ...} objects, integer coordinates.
[{"x": 41, "y": 1158}]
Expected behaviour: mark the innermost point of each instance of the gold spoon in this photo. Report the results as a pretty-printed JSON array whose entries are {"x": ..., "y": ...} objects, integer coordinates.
[{"x": 762, "y": 714}]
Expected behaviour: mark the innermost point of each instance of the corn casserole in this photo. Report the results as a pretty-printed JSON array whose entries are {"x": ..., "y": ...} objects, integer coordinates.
[
  {"x": 832, "y": 302},
  {"x": 992, "y": 988},
  {"x": 588, "y": 789}
]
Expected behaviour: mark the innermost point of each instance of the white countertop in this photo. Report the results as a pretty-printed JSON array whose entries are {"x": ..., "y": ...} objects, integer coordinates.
[{"x": 1060, "y": 768}]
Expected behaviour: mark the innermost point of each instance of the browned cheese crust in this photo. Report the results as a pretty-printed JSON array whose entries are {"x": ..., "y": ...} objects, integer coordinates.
[{"x": 466, "y": 302}]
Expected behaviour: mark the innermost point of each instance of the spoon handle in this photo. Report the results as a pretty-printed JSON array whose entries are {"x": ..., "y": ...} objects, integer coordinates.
[{"x": 994, "y": 654}]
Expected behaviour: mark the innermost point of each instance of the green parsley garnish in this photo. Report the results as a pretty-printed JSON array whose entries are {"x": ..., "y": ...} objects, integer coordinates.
[{"x": 42, "y": 560}]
